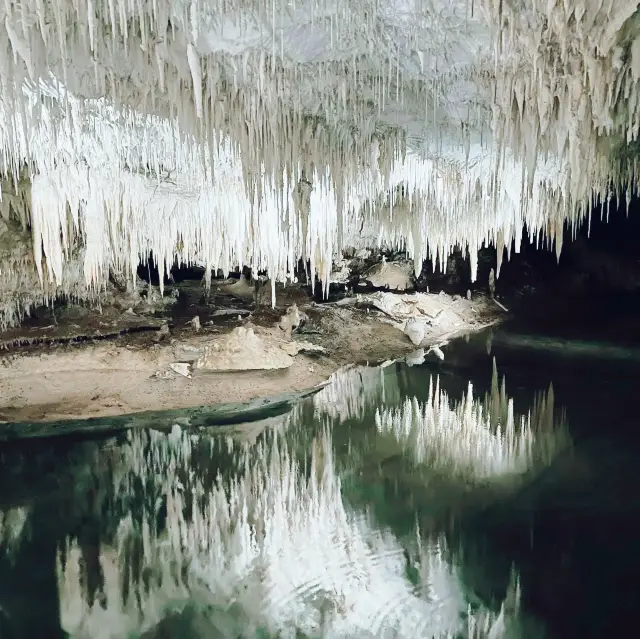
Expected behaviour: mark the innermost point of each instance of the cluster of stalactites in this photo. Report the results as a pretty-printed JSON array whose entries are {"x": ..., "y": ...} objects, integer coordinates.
[
  {"x": 567, "y": 85},
  {"x": 147, "y": 128},
  {"x": 21, "y": 288}
]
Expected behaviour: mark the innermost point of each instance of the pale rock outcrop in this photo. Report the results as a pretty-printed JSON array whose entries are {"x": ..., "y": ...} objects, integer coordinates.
[
  {"x": 394, "y": 276},
  {"x": 243, "y": 349}
]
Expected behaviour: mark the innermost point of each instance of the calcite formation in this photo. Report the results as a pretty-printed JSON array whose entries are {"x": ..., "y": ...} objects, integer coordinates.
[{"x": 251, "y": 132}]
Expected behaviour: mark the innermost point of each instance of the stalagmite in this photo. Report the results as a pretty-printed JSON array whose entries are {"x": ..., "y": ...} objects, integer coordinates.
[{"x": 229, "y": 132}]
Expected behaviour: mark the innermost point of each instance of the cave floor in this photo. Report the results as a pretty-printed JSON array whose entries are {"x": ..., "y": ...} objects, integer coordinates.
[{"x": 82, "y": 363}]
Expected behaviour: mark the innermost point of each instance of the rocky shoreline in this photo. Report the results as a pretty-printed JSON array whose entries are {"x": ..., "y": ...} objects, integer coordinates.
[{"x": 229, "y": 347}]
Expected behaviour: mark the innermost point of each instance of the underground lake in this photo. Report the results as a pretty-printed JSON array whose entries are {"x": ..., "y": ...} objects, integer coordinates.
[{"x": 490, "y": 494}]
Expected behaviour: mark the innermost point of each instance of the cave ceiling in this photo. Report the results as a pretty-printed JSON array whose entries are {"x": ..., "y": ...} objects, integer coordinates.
[{"x": 225, "y": 133}]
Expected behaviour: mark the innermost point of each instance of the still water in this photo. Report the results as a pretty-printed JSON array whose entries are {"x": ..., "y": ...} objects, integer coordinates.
[{"x": 494, "y": 494}]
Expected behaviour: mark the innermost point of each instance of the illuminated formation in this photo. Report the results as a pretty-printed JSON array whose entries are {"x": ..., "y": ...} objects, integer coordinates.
[
  {"x": 477, "y": 440},
  {"x": 270, "y": 550},
  {"x": 229, "y": 132}
]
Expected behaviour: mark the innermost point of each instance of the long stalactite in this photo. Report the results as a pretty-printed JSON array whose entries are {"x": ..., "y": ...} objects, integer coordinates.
[{"x": 186, "y": 128}]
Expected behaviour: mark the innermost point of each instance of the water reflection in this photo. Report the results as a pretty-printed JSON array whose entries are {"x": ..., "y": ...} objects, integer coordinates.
[
  {"x": 355, "y": 393},
  {"x": 475, "y": 440},
  {"x": 278, "y": 527},
  {"x": 12, "y": 527},
  {"x": 275, "y": 542}
]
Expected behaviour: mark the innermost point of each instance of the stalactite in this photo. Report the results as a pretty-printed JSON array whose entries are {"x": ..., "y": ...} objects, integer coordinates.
[{"x": 199, "y": 119}]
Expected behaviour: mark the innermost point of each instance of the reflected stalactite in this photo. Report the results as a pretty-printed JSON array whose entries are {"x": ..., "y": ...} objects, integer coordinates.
[
  {"x": 477, "y": 439},
  {"x": 354, "y": 391},
  {"x": 13, "y": 524},
  {"x": 260, "y": 527},
  {"x": 276, "y": 540}
]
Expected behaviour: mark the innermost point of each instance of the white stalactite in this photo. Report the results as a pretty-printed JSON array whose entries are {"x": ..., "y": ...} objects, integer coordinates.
[{"x": 185, "y": 128}]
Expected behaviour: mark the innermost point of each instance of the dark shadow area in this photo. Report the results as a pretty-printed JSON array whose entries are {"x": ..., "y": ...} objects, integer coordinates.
[
  {"x": 593, "y": 290},
  {"x": 572, "y": 535},
  {"x": 149, "y": 272},
  {"x": 29, "y": 602},
  {"x": 596, "y": 282}
]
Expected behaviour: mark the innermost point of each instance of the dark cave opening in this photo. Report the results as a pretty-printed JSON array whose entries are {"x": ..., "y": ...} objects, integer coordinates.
[
  {"x": 594, "y": 288},
  {"x": 600, "y": 259},
  {"x": 149, "y": 272}
]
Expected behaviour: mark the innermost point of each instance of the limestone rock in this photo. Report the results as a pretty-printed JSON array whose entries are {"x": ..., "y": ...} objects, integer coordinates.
[
  {"x": 242, "y": 350},
  {"x": 341, "y": 272},
  {"x": 295, "y": 347},
  {"x": 240, "y": 288},
  {"x": 163, "y": 333},
  {"x": 292, "y": 319},
  {"x": 414, "y": 329},
  {"x": 392, "y": 275},
  {"x": 415, "y": 358},
  {"x": 182, "y": 368}
]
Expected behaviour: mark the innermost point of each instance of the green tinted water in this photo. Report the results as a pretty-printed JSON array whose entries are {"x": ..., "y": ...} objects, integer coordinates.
[{"x": 392, "y": 503}]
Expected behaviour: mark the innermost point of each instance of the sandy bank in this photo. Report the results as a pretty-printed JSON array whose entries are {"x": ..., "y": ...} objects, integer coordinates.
[{"x": 73, "y": 370}]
